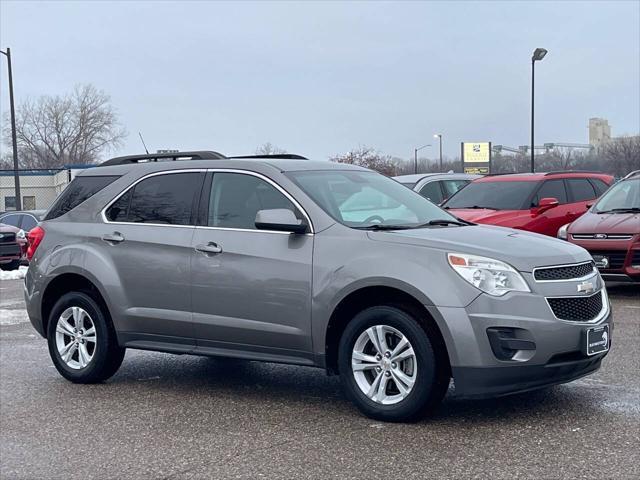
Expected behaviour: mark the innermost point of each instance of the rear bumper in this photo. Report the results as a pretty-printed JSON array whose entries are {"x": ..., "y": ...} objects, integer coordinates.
[{"x": 498, "y": 381}]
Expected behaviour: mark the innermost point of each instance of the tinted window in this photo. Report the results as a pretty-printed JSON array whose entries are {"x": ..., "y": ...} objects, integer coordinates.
[
  {"x": 236, "y": 199},
  {"x": 79, "y": 190},
  {"x": 432, "y": 191},
  {"x": 452, "y": 186},
  {"x": 498, "y": 195},
  {"x": 551, "y": 189},
  {"x": 28, "y": 222},
  {"x": 165, "y": 199},
  {"x": 581, "y": 189},
  {"x": 119, "y": 210},
  {"x": 13, "y": 220},
  {"x": 599, "y": 185}
]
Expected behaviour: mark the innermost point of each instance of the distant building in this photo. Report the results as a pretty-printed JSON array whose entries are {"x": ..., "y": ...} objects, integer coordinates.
[{"x": 599, "y": 131}]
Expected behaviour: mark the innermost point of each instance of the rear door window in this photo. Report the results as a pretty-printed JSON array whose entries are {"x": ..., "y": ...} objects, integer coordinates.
[
  {"x": 599, "y": 185},
  {"x": 13, "y": 220},
  {"x": 79, "y": 190},
  {"x": 581, "y": 189},
  {"x": 432, "y": 191},
  {"x": 551, "y": 189}
]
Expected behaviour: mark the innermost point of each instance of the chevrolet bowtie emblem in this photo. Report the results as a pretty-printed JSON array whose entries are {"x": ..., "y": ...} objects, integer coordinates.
[{"x": 586, "y": 287}]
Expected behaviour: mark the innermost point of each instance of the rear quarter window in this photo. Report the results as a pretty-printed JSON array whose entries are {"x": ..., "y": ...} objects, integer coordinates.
[{"x": 80, "y": 189}]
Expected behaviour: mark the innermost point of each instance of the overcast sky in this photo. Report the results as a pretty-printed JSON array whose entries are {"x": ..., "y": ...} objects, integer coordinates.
[{"x": 322, "y": 78}]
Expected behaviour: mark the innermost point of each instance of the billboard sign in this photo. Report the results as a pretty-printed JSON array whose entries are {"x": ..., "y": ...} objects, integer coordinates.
[{"x": 476, "y": 157}]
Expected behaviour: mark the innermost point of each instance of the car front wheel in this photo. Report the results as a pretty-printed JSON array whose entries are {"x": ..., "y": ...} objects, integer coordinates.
[{"x": 388, "y": 365}]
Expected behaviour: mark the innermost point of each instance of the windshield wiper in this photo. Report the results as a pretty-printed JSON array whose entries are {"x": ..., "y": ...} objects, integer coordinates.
[
  {"x": 621, "y": 210},
  {"x": 381, "y": 226},
  {"x": 477, "y": 207},
  {"x": 443, "y": 222}
]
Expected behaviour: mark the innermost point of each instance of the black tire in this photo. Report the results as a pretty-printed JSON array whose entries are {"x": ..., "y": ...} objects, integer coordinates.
[
  {"x": 12, "y": 265},
  {"x": 107, "y": 354},
  {"x": 431, "y": 378}
]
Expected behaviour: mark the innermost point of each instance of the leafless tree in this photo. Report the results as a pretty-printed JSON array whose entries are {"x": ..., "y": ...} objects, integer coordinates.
[
  {"x": 367, "y": 157},
  {"x": 622, "y": 155},
  {"x": 269, "y": 149},
  {"x": 72, "y": 129}
]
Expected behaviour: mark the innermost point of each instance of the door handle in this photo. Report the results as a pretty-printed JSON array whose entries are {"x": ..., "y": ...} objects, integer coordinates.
[
  {"x": 210, "y": 248},
  {"x": 113, "y": 238}
]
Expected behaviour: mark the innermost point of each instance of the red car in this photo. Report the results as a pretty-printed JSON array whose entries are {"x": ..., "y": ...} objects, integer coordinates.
[
  {"x": 13, "y": 246},
  {"x": 610, "y": 231},
  {"x": 537, "y": 202}
]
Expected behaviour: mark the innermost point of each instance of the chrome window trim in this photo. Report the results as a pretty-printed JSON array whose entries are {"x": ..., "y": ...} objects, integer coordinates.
[
  {"x": 610, "y": 236},
  {"x": 585, "y": 277},
  {"x": 602, "y": 315},
  {"x": 103, "y": 212}
]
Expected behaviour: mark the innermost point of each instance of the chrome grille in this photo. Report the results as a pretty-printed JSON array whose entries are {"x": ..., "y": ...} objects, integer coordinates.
[
  {"x": 564, "y": 272},
  {"x": 601, "y": 236},
  {"x": 577, "y": 309}
]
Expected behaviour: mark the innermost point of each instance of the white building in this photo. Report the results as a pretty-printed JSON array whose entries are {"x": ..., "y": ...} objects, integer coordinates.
[{"x": 599, "y": 131}]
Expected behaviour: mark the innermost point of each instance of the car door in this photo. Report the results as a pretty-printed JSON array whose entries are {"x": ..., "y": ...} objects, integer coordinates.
[
  {"x": 251, "y": 289},
  {"x": 550, "y": 221},
  {"x": 146, "y": 237},
  {"x": 581, "y": 193}
]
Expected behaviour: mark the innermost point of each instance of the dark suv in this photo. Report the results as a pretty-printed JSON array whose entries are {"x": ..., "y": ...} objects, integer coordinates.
[{"x": 310, "y": 263}]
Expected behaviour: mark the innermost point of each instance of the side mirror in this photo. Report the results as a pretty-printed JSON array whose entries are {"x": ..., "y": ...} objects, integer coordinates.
[
  {"x": 547, "y": 204},
  {"x": 280, "y": 220}
]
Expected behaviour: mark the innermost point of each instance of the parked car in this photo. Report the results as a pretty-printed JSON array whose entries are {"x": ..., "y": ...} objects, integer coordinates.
[
  {"x": 23, "y": 219},
  {"x": 436, "y": 187},
  {"x": 536, "y": 202},
  {"x": 13, "y": 246},
  {"x": 310, "y": 263},
  {"x": 610, "y": 231}
]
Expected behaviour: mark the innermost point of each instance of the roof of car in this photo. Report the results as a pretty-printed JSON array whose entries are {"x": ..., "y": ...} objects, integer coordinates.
[
  {"x": 416, "y": 177},
  {"x": 539, "y": 176}
]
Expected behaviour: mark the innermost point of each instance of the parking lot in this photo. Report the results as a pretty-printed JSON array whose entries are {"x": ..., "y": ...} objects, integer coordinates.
[{"x": 175, "y": 417}]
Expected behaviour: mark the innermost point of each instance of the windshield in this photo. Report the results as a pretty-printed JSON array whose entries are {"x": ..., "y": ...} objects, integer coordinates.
[
  {"x": 368, "y": 199},
  {"x": 493, "y": 195},
  {"x": 623, "y": 196}
]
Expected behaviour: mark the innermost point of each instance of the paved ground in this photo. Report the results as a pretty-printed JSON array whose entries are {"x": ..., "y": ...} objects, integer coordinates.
[{"x": 179, "y": 417}]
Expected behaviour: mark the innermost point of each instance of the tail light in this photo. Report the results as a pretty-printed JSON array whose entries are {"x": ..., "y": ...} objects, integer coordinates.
[{"x": 34, "y": 237}]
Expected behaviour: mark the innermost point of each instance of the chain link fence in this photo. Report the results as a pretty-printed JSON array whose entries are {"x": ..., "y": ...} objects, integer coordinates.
[{"x": 38, "y": 187}]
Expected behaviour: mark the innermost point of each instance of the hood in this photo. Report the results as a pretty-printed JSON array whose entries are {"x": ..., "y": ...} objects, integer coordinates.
[
  {"x": 485, "y": 215},
  {"x": 607, "y": 223},
  {"x": 523, "y": 250}
]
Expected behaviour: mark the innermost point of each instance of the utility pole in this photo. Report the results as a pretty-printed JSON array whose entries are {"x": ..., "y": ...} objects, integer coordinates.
[
  {"x": 439, "y": 137},
  {"x": 538, "y": 55},
  {"x": 415, "y": 157},
  {"x": 14, "y": 140}
]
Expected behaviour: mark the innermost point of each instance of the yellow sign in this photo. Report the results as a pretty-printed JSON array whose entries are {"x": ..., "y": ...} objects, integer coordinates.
[
  {"x": 477, "y": 170},
  {"x": 476, "y": 152}
]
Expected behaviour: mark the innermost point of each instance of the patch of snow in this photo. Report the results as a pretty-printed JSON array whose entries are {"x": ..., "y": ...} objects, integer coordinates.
[
  {"x": 13, "y": 317},
  {"x": 13, "y": 274}
]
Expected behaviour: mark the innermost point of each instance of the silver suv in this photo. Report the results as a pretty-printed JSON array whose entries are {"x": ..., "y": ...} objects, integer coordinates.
[{"x": 310, "y": 263}]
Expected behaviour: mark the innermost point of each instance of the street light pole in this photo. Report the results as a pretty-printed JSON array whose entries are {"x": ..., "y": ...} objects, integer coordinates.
[
  {"x": 439, "y": 137},
  {"x": 14, "y": 140},
  {"x": 415, "y": 157},
  {"x": 538, "y": 55}
]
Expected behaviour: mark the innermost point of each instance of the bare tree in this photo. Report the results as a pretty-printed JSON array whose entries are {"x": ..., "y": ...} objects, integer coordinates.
[
  {"x": 622, "y": 155},
  {"x": 269, "y": 149},
  {"x": 367, "y": 157},
  {"x": 76, "y": 128}
]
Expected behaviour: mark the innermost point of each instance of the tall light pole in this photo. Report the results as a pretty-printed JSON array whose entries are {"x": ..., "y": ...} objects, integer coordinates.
[
  {"x": 415, "y": 157},
  {"x": 538, "y": 55},
  {"x": 439, "y": 137},
  {"x": 14, "y": 140}
]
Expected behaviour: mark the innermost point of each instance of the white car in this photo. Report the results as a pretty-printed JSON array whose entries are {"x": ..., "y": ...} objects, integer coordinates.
[{"x": 436, "y": 187}]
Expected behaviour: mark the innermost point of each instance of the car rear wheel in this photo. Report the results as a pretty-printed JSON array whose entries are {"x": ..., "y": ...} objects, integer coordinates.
[
  {"x": 389, "y": 367},
  {"x": 82, "y": 341}
]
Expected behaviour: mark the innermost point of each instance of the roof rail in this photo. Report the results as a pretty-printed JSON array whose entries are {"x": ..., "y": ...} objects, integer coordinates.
[
  {"x": 635, "y": 173},
  {"x": 158, "y": 157},
  {"x": 286, "y": 156},
  {"x": 560, "y": 172}
]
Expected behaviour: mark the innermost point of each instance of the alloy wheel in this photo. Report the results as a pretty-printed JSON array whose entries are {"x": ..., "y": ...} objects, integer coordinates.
[{"x": 76, "y": 337}]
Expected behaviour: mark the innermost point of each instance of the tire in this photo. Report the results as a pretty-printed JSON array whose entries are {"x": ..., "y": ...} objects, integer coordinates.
[
  {"x": 101, "y": 355},
  {"x": 428, "y": 372},
  {"x": 12, "y": 265}
]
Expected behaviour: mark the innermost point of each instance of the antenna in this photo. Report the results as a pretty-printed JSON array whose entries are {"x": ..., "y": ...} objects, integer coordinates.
[{"x": 143, "y": 144}]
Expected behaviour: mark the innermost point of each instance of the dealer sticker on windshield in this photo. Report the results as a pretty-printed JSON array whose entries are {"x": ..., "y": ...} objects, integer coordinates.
[{"x": 598, "y": 339}]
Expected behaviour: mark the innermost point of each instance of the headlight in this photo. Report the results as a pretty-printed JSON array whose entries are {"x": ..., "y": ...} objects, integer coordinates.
[
  {"x": 562, "y": 232},
  {"x": 21, "y": 234},
  {"x": 491, "y": 276}
]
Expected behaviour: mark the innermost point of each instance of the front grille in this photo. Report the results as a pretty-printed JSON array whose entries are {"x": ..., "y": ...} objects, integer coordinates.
[
  {"x": 601, "y": 236},
  {"x": 635, "y": 260},
  {"x": 567, "y": 272},
  {"x": 577, "y": 309},
  {"x": 8, "y": 237},
  {"x": 616, "y": 257}
]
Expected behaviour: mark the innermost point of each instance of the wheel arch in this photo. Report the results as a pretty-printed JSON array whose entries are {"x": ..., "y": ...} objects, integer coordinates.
[{"x": 375, "y": 295}]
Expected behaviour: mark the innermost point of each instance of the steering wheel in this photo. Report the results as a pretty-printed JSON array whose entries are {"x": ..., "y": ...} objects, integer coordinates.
[{"x": 376, "y": 218}]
